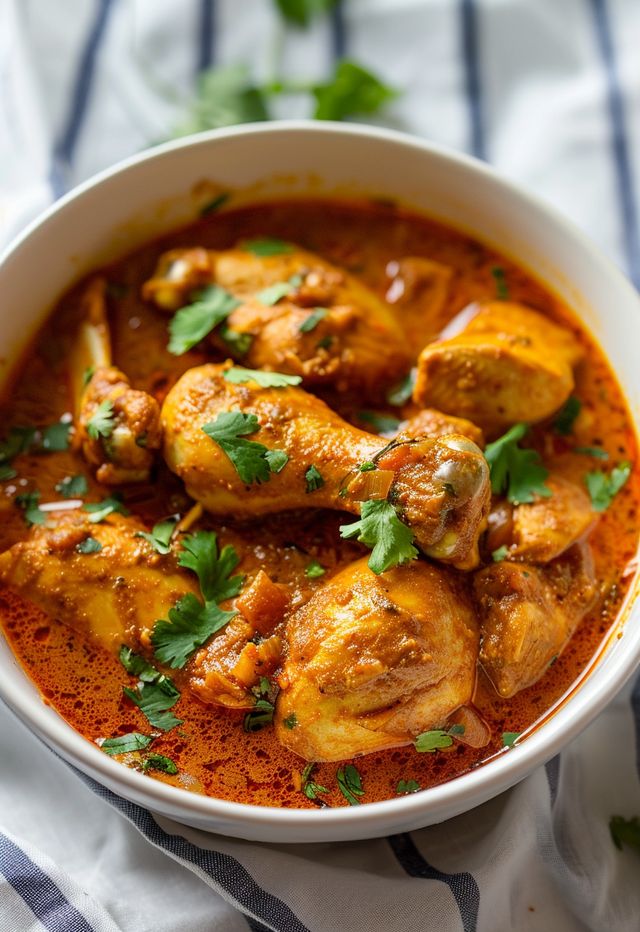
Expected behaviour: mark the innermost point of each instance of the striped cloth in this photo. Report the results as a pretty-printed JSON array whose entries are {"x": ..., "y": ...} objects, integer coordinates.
[{"x": 550, "y": 94}]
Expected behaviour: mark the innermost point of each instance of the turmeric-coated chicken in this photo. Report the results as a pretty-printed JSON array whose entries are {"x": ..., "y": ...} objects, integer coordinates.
[
  {"x": 508, "y": 364},
  {"x": 528, "y": 613},
  {"x": 375, "y": 661},
  {"x": 541, "y": 530},
  {"x": 419, "y": 288},
  {"x": 295, "y": 313},
  {"x": 306, "y": 456},
  {"x": 432, "y": 423}
]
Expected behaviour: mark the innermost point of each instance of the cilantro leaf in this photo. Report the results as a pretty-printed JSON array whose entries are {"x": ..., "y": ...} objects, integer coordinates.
[
  {"x": 89, "y": 545},
  {"x": 565, "y": 418},
  {"x": 72, "y": 486},
  {"x": 380, "y": 528},
  {"x": 603, "y": 487},
  {"x": 309, "y": 787},
  {"x": 274, "y": 293},
  {"x": 161, "y": 534},
  {"x": 124, "y": 744},
  {"x": 267, "y": 246},
  {"x": 597, "y": 452},
  {"x": 350, "y": 784},
  {"x": 314, "y": 479},
  {"x": 159, "y": 762},
  {"x": 262, "y": 713},
  {"x": 314, "y": 318},
  {"x": 100, "y": 424},
  {"x": 401, "y": 392},
  {"x": 407, "y": 786},
  {"x": 430, "y": 741},
  {"x": 101, "y": 510},
  {"x": 625, "y": 831},
  {"x": 200, "y": 554},
  {"x": 519, "y": 472},
  {"x": 502, "y": 289},
  {"x": 352, "y": 91},
  {"x": 291, "y": 721},
  {"x": 190, "y": 624},
  {"x": 500, "y": 554},
  {"x": 55, "y": 437},
  {"x": 7, "y": 472},
  {"x": 237, "y": 343},
  {"x": 28, "y": 501},
  {"x": 193, "y": 322},
  {"x": 382, "y": 423},
  {"x": 251, "y": 459},
  {"x": 137, "y": 665},
  {"x": 238, "y": 375},
  {"x": 509, "y": 738},
  {"x": 301, "y": 12},
  {"x": 214, "y": 204},
  {"x": 154, "y": 700},
  {"x": 314, "y": 570},
  {"x": 225, "y": 96},
  {"x": 18, "y": 441}
]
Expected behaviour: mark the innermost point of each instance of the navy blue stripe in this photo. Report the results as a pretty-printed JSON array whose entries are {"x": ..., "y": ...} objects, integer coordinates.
[
  {"x": 206, "y": 27},
  {"x": 635, "y": 708},
  {"x": 463, "y": 885},
  {"x": 619, "y": 144},
  {"x": 338, "y": 32},
  {"x": 471, "y": 59},
  {"x": 45, "y": 900},
  {"x": 552, "y": 768},
  {"x": 65, "y": 147}
]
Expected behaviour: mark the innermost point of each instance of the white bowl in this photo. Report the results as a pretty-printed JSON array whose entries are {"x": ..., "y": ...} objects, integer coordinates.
[{"x": 152, "y": 193}]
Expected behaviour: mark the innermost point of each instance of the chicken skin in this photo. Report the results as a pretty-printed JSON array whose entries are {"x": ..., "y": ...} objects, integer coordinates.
[
  {"x": 419, "y": 287},
  {"x": 509, "y": 364},
  {"x": 440, "y": 486},
  {"x": 374, "y": 661},
  {"x": 320, "y": 322},
  {"x": 432, "y": 423},
  {"x": 528, "y": 613}
]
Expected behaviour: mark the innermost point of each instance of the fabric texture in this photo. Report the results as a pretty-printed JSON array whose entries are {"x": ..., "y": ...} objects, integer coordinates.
[{"x": 549, "y": 94}]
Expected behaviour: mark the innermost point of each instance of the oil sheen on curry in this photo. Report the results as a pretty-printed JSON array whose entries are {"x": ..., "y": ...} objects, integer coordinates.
[{"x": 312, "y": 504}]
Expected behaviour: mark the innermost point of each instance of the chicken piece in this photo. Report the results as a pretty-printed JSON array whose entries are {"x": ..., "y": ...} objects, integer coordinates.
[
  {"x": 329, "y": 327},
  {"x": 122, "y": 440},
  {"x": 509, "y": 364},
  {"x": 440, "y": 486},
  {"x": 374, "y": 661},
  {"x": 113, "y": 594},
  {"x": 432, "y": 423},
  {"x": 419, "y": 287},
  {"x": 528, "y": 613},
  {"x": 542, "y": 530}
]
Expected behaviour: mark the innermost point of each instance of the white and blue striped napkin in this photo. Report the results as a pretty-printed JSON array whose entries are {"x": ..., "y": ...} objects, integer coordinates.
[{"x": 549, "y": 93}]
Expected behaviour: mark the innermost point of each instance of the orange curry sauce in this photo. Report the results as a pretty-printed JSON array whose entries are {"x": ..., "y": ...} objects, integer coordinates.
[{"x": 214, "y": 754}]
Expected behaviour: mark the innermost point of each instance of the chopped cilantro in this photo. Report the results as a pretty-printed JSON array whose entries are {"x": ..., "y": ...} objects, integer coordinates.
[
  {"x": 565, "y": 418},
  {"x": 313, "y": 319},
  {"x": 237, "y": 375},
  {"x": 407, "y": 786},
  {"x": 500, "y": 554},
  {"x": 87, "y": 375},
  {"x": 237, "y": 343},
  {"x": 352, "y": 91},
  {"x": 161, "y": 534},
  {"x": 430, "y": 741},
  {"x": 313, "y": 479},
  {"x": 89, "y": 545},
  {"x": 309, "y": 787},
  {"x": 108, "y": 506},
  {"x": 262, "y": 713},
  {"x": 100, "y": 424},
  {"x": 383, "y": 423},
  {"x": 597, "y": 452},
  {"x": 55, "y": 437},
  {"x": 137, "y": 665},
  {"x": 267, "y": 246},
  {"x": 518, "y": 472},
  {"x": 18, "y": 441},
  {"x": 125, "y": 744},
  {"x": 400, "y": 393},
  {"x": 502, "y": 289},
  {"x": 325, "y": 343},
  {"x": 369, "y": 466},
  {"x": 29, "y": 502},
  {"x": 625, "y": 832},
  {"x": 214, "y": 204},
  {"x": 314, "y": 570},
  {"x": 290, "y": 721},
  {"x": 301, "y": 12},
  {"x": 603, "y": 487},
  {"x": 193, "y": 322},
  {"x": 274, "y": 293},
  {"x": 200, "y": 555},
  {"x": 509, "y": 738},
  {"x": 72, "y": 486},
  {"x": 154, "y": 701},
  {"x": 350, "y": 784},
  {"x": 159, "y": 762},
  {"x": 7, "y": 472},
  {"x": 253, "y": 461},
  {"x": 380, "y": 528}
]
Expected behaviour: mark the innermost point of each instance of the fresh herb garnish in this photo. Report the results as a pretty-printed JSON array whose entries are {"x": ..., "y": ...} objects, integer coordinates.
[
  {"x": 262, "y": 713},
  {"x": 125, "y": 744},
  {"x": 430, "y": 741},
  {"x": 137, "y": 665},
  {"x": 253, "y": 461},
  {"x": 313, "y": 319},
  {"x": 108, "y": 506},
  {"x": 351, "y": 91},
  {"x": 313, "y": 479},
  {"x": 19, "y": 441},
  {"x": 200, "y": 555},
  {"x": 381, "y": 529},
  {"x": 72, "y": 487},
  {"x": 273, "y": 293},
  {"x": 519, "y": 472},
  {"x": 502, "y": 289},
  {"x": 55, "y": 437},
  {"x": 597, "y": 452},
  {"x": 500, "y": 554},
  {"x": 159, "y": 762},
  {"x": 101, "y": 422},
  {"x": 267, "y": 246},
  {"x": 407, "y": 786},
  {"x": 314, "y": 570},
  {"x": 566, "y": 416},
  {"x": 325, "y": 343},
  {"x": 214, "y": 204},
  {"x": 225, "y": 96},
  {"x": 290, "y": 721},
  {"x": 89, "y": 545},
  {"x": 7, "y": 472},
  {"x": 350, "y": 784},
  {"x": 309, "y": 787},
  {"x": 401, "y": 392},
  {"x": 193, "y": 322},
  {"x": 161, "y": 534},
  {"x": 603, "y": 487},
  {"x": 154, "y": 701},
  {"x": 87, "y": 375},
  {"x": 237, "y": 343},
  {"x": 509, "y": 738},
  {"x": 238, "y": 375},
  {"x": 383, "y": 423},
  {"x": 369, "y": 466},
  {"x": 625, "y": 831},
  {"x": 301, "y": 12},
  {"x": 28, "y": 501}
]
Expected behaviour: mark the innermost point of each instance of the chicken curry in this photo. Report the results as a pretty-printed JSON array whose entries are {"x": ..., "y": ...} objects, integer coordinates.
[{"x": 312, "y": 504}]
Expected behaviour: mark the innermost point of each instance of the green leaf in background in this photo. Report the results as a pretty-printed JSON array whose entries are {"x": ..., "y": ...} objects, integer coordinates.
[
  {"x": 225, "y": 96},
  {"x": 352, "y": 91},
  {"x": 301, "y": 12}
]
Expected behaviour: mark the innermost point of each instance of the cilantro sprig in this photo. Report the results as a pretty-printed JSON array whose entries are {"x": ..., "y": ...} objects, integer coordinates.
[
  {"x": 381, "y": 529},
  {"x": 193, "y": 322},
  {"x": 155, "y": 699},
  {"x": 125, "y": 744},
  {"x": 98, "y": 511},
  {"x": 29, "y": 502},
  {"x": 101, "y": 422},
  {"x": 237, "y": 375},
  {"x": 161, "y": 534},
  {"x": 517, "y": 471},
  {"x": 566, "y": 416},
  {"x": 313, "y": 479},
  {"x": 437, "y": 740},
  {"x": 350, "y": 784},
  {"x": 265, "y": 705},
  {"x": 253, "y": 461},
  {"x": 603, "y": 487},
  {"x": 72, "y": 486},
  {"x": 309, "y": 787}
]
